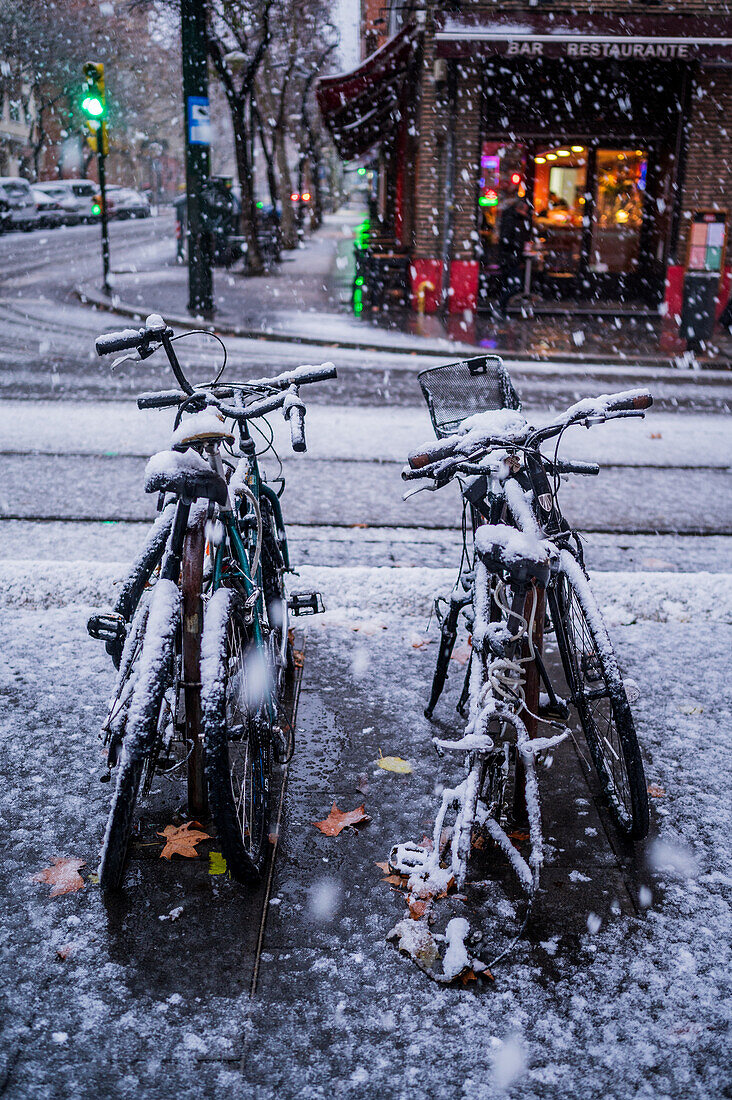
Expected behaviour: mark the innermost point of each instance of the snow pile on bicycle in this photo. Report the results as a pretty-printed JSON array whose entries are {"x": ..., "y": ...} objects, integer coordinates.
[{"x": 521, "y": 576}]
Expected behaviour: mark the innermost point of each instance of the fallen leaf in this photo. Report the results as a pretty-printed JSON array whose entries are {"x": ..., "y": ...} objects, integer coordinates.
[
  {"x": 383, "y": 867},
  {"x": 93, "y": 879},
  {"x": 427, "y": 842},
  {"x": 518, "y": 834},
  {"x": 394, "y": 764},
  {"x": 216, "y": 864},
  {"x": 420, "y": 643},
  {"x": 655, "y": 791},
  {"x": 461, "y": 655},
  {"x": 62, "y": 876},
  {"x": 298, "y": 658},
  {"x": 363, "y": 783},
  {"x": 339, "y": 819},
  {"x": 418, "y": 907},
  {"x": 656, "y": 435},
  {"x": 395, "y": 880},
  {"x": 448, "y": 888},
  {"x": 362, "y": 525},
  {"x": 478, "y": 842},
  {"x": 181, "y": 840},
  {"x": 468, "y": 976}
]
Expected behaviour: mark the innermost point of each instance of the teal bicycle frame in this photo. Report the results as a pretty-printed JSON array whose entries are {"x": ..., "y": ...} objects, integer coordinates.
[{"x": 238, "y": 551}]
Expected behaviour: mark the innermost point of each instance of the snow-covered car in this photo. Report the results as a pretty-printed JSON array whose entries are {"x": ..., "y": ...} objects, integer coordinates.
[
  {"x": 21, "y": 204},
  {"x": 55, "y": 207},
  {"x": 56, "y": 204},
  {"x": 80, "y": 194},
  {"x": 124, "y": 202}
]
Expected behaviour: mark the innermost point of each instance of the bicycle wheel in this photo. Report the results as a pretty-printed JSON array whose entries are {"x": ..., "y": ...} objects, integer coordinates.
[
  {"x": 237, "y": 735},
  {"x": 598, "y": 692},
  {"x": 153, "y": 671}
]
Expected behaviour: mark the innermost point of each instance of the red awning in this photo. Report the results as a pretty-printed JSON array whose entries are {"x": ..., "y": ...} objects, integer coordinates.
[
  {"x": 363, "y": 107},
  {"x": 651, "y": 36}
]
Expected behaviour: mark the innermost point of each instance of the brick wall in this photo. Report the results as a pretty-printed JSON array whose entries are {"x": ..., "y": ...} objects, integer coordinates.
[
  {"x": 429, "y": 176},
  {"x": 467, "y": 160},
  {"x": 708, "y": 175}
]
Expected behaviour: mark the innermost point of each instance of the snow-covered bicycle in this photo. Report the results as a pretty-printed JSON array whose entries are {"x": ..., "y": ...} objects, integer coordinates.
[
  {"x": 523, "y": 557},
  {"x": 200, "y": 629}
]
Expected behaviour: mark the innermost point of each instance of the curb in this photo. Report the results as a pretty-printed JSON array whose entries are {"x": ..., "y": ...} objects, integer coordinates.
[{"x": 87, "y": 294}]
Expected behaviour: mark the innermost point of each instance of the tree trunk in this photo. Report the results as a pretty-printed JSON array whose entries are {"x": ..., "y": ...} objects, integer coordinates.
[
  {"x": 287, "y": 224},
  {"x": 248, "y": 207}
]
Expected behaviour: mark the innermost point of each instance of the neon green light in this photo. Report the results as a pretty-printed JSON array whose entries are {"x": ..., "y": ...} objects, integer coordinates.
[
  {"x": 92, "y": 105},
  {"x": 96, "y": 208},
  {"x": 362, "y": 171},
  {"x": 358, "y": 300},
  {"x": 260, "y": 206}
]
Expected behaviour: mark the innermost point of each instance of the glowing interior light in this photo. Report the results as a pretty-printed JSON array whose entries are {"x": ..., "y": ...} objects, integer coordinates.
[
  {"x": 306, "y": 196},
  {"x": 562, "y": 152},
  {"x": 578, "y": 148},
  {"x": 551, "y": 156},
  {"x": 516, "y": 178},
  {"x": 539, "y": 160},
  {"x": 295, "y": 196}
]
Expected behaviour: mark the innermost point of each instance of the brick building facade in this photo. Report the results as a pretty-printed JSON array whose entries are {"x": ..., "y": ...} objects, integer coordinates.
[{"x": 614, "y": 119}]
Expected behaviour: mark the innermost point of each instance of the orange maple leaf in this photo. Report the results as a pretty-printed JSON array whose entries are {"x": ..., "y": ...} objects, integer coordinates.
[
  {"x": 396, "y": 880},
  {"x": 655, "y": 791},
  {"x": 418, "y": 907},
  {"x": 338, "y": 819},
  {"x": 62, "y": 876},
  {"x": 181, "y": 840},
  {"x": 384, "y": 867}
]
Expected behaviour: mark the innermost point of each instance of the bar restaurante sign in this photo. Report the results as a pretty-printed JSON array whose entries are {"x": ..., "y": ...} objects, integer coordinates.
[{"x": 669, "y": 37}]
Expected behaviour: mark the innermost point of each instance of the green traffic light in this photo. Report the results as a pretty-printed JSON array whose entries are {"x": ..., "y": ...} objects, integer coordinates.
[{"x": 92, "y": 105}]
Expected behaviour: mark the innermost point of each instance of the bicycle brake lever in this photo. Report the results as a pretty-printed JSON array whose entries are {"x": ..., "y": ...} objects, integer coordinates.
[
  {"x": 419, "y": 489},
  {"x": 134, "y": 357}
]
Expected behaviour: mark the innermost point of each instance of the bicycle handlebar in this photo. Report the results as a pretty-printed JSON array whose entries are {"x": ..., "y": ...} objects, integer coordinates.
[{"x": 154, "y": 330}]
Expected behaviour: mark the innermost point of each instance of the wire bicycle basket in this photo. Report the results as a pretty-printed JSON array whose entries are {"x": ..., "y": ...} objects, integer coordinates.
[{"x": 457, "y": 390}]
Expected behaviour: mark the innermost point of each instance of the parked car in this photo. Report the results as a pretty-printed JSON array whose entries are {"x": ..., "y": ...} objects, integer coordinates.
[
  {"x": 22, "y": 207},
  {"x": 4, "y": 213},
  {"x": 80, "y": 193},
  {"x": 55, "y": 206},
  {"x": 67, "y": 205},
  {"x": 125, "y": 202}
]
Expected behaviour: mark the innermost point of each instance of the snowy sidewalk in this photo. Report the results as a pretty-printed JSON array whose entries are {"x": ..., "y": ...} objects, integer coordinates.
[{"x": 119, "y": 1002}]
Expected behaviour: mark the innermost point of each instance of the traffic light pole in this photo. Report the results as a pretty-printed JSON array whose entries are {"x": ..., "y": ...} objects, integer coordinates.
[
  {"x": 105, "y": 222},
  {"x": 197, "y": 132}
]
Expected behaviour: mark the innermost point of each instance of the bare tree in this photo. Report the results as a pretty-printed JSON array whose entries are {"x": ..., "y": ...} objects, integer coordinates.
[{"x": 239, "y": 36}]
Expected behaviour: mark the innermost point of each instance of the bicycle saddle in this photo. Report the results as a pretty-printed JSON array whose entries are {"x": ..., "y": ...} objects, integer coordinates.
[
  {"x": 185, "y": 474},
  {"x": 522, "y": 555}
]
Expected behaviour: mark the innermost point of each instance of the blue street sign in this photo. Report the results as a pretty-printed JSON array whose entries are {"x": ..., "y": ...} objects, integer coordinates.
[{"x": 199, "y": 120}]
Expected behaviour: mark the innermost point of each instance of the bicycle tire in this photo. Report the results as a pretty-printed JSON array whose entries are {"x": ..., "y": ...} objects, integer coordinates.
[
  {"x": 598, "y": 692},
  {"x": 153, "y": 678},
  {"x": 237, "y": 739}
]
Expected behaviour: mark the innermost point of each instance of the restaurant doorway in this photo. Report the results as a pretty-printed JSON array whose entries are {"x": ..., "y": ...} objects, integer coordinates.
[{"x": 594, "y": 223}]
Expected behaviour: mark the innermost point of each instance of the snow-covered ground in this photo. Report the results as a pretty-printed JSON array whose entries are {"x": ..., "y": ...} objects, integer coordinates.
[
  {"x": 342, "y": 432},
  {"x": 637, "y": 1007}
]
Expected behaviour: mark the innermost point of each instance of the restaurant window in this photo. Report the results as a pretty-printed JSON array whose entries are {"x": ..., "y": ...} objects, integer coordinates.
[
  {"x": 502, "y": 180},
  {"x": 560, "y": 178},
  {"x": 620, "y": 185}
]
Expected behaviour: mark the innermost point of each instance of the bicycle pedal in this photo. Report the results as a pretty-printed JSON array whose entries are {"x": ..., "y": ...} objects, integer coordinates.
[
  {"x": 306, "y": 603},
  {"x": 109, "y": 627}
]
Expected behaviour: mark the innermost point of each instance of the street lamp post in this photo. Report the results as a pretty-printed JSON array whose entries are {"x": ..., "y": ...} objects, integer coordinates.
[{"x": 197, "y": 142}]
